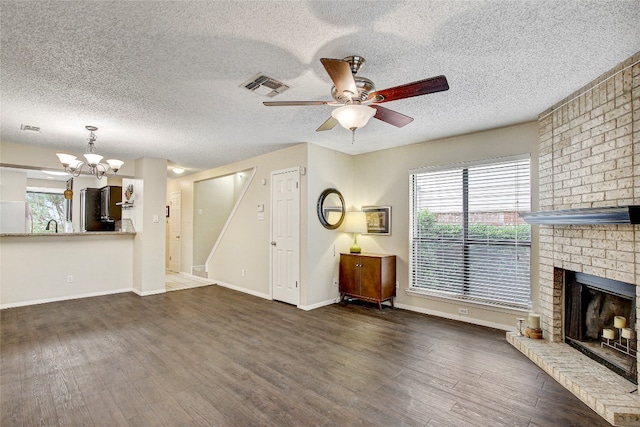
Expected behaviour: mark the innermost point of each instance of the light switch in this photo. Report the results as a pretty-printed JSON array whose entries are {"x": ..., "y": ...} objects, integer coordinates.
[{"x": 156, "y": 218}]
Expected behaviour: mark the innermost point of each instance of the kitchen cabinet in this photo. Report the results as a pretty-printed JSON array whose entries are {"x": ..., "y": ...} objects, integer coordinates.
[{"x": 368, "y": 277}]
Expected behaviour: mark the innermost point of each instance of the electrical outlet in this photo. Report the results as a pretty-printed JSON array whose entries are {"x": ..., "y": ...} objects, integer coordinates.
[
  {"x": 463, "y": 311},
  {"x": 397, "y": 284},
  {"x": 244, "y": 273},
  {"x": 335, "y": 281},
  {"x": 69, "y": 279}
]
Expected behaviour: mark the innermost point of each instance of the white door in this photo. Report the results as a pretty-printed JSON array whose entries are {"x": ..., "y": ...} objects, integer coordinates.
[
  {"x": 285, "y": 236},
  {"x": 175, "y": 223}
]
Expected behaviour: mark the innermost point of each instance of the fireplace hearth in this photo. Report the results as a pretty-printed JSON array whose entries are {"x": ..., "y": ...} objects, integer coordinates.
[{"x": 591, "y": 305}]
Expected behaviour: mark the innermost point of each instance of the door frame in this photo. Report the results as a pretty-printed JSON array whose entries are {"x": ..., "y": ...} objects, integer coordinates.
[
  {"x": 271, "y": 225},
  {"x": 172, "y": 212}
]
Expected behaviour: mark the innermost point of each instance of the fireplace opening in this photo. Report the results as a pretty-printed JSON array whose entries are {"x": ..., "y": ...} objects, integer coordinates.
[{"x": 596, "y": 308}]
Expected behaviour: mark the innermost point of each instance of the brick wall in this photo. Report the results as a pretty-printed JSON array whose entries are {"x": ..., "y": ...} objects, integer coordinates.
[{"x": 590, "y": 157}]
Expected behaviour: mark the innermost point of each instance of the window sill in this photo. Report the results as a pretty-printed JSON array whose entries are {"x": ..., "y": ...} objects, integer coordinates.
[{"x": 420, "y": 293}]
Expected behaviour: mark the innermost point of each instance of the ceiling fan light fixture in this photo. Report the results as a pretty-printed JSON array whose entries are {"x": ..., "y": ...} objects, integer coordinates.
[{"x": 353, "y": 116}]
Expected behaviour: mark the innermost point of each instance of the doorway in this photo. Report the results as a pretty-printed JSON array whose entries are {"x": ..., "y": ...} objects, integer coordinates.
[{"x": 285, "y": 236}]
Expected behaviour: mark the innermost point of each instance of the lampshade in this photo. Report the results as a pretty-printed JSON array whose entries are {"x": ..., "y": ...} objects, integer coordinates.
[
  {"x": 355, "y": 222},
  {"x": 115, "y": 164},
  {"x": 353, "y": 116},
  {"x": 93, "y": 159},
  {"x": 65, "y": 159}
]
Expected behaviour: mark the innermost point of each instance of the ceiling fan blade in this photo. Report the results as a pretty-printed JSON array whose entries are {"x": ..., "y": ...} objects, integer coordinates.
[
  {"x": 421, "y": 87},
  {"x": 390, "y": 116},
  {"x": 298, "y": 103},
  {"x": 340, "y": 72},
  {"x": 328, "y": 125}
]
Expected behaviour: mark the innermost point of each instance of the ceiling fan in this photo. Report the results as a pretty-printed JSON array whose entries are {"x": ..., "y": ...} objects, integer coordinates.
[{"x": 358, "y": 98}]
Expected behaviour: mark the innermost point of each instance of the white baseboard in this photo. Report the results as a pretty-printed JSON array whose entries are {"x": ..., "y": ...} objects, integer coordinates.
[
  {"x": 147, "y": 293},
  {"x": 64, "y": 298},
  {"x": 465, "y": 319},
  {"x": 240, "y": 289},
  {"x": 317, "y": 305}
]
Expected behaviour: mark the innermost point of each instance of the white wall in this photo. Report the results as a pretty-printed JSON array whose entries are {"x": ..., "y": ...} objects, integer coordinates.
[
  {"x": 327, "y": 169},
  {"x": 35, "y": 269},
  {"x": 382, "y": 178},
  {"x": 214, "y": 200},
  {"x": 13, "y": 185},
  {"x": 149, "y": 244},
  {"x": 245, "y": 245}
]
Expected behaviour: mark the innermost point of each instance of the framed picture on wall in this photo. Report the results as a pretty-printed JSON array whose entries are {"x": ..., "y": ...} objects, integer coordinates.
[{"x": 378, "y": 219}]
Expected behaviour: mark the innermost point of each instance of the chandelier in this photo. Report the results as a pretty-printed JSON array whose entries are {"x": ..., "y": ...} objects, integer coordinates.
[{"x": 92, "y": 160}]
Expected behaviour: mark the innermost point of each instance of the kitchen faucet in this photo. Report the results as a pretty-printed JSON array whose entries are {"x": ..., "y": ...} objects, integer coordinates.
[{"x": 49, "y": 223}]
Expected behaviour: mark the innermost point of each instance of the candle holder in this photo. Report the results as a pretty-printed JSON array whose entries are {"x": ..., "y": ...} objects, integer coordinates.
[
  {"x": 533, "y": 333},
  {"x": 622, "y": 344},
  {"x": 520, "y": 326}
]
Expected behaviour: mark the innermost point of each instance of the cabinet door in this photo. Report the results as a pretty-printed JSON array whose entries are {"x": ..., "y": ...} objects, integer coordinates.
[
  {"x": 370, "y": 277},
  {"x": 349, "y": 274}
]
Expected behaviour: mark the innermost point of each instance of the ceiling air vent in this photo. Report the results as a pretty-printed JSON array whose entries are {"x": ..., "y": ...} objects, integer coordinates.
[
  {"x": 30, "y": 128},
  {"x": 264, "y": 85}
]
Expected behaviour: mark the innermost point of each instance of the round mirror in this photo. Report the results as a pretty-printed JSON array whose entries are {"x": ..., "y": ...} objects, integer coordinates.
[{"x": 331, "y": 208}]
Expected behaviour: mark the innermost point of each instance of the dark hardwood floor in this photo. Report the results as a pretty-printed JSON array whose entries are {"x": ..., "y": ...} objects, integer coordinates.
[{"x": 213, "y": 356}]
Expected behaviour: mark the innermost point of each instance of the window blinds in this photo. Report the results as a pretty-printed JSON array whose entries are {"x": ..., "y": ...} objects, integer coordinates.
[{"x": 467, "y": 240}]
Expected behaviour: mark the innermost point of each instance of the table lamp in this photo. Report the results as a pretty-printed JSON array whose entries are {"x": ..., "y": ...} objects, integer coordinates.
[{"x": 355, "y": 222}]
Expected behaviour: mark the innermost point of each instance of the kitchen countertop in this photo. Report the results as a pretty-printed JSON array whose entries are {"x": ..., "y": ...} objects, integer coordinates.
[{"x": 77, "y": 233}]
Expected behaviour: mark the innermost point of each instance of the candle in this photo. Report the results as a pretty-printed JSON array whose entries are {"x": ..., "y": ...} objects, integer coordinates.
[
  {"x": 608, "y": 333},
  {"x": 619, "y": 322},
  {"x": 534, "y": 321},
  {"x": 626, "y": 333}
]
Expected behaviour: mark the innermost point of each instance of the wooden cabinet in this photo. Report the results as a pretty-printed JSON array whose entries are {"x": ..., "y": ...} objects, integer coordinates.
[{"x": 369, "y": 277}]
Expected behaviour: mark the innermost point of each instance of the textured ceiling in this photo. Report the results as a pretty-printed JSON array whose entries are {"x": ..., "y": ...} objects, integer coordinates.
[{"x": 162, "y": 79}]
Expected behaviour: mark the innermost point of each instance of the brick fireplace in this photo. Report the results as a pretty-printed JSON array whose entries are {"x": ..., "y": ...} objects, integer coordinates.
[
  {"x": 589, "y": 157},
  {"x": 592, "y": 305}
]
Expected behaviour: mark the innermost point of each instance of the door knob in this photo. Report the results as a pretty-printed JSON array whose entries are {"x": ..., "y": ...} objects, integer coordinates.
[{"x": 273, "y": 243}]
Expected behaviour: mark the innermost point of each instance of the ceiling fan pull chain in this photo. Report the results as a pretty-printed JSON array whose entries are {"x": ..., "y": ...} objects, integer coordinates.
[{"x": 353, "y": 135}]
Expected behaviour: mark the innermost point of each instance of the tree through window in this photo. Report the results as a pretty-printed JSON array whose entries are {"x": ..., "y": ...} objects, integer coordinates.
[{"x": 44, "y": 206}]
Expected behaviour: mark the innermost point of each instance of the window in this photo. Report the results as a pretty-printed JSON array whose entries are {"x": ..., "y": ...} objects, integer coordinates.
[
  {"x": 467, "y": 240},
  {"x": 46, "y": 204}
]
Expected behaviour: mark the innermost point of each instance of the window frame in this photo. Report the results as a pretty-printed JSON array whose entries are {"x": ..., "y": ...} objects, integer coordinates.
[
  {"x": 50, "y": 190},
  {"x": 465, "y": 239}
]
